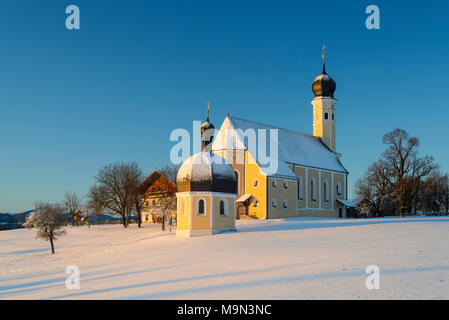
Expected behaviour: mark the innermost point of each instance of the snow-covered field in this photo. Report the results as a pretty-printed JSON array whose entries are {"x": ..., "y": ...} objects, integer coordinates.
[{"x": 304, "y": 258}]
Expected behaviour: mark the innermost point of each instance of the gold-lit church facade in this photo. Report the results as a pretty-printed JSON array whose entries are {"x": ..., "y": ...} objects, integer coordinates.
[{"x": 310, "y": 180}]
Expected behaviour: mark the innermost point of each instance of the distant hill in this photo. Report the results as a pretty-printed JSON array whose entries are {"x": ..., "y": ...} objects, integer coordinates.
[{"x": 9, "y": 221}]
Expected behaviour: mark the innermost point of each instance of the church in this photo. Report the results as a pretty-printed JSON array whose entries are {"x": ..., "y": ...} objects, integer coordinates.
[{"x": 309, "y": 181}]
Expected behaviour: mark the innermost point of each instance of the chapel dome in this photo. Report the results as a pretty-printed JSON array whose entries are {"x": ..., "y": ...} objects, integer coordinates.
[
  {"x": 207, "y": 172},
  {"x": 324, "y": 85}
]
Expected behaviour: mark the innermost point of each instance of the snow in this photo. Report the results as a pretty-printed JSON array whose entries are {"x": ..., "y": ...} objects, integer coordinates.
[
  {"x": 203, "y": 166},
  {"x": 301, "y": 258},
  {"x": 293, "y": 147}
]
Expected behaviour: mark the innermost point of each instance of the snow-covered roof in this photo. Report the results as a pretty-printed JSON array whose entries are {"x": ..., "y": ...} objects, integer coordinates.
[
  {"x": 205, "y": 165},
  {"x": 293, "y": 147},
  {"x": 347, "y": 203}
]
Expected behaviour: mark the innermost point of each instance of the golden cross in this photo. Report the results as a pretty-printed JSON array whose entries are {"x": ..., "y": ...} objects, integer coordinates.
[
  {"x": 208, "y": 107},
  {"x": 324, "y": 51}
]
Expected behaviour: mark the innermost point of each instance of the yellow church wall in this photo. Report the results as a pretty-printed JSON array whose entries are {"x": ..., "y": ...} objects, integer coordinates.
[
  {"x": 313, "y": 173},
  {"x": 301, "y": 172},
  {"x": 280, "y": 194},
  {"x": 326, "y": 176},
  {"x": 318, "y": 213},
  {"x": 236, "y": 159},
  {"x": 183, "y": 221},
  {"x": 224, "y": 222},
  {"x": 200, "y": 222},
  {"x": 339, "y": 177},
  {"x": 253, "y": 172}
]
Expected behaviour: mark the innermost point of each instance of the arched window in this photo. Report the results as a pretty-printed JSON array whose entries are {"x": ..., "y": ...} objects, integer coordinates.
[
  {"x": 223, "y": 208},
  {"x": 313, "y": 189},
  {"x": 285, "y": 184},
  {"x": 274, "y": 203},
  {"x": 326, "y": 191},
  {"x": 201, "y": 211},
  {"x": 255, "y": 203},
  {"x": 333, "y": 116},
  {"x": 339, "y": 188},
  {"x": 300, "y": 189},
  {"x": 284, "y": 204},
  {"x": 147, "y": 217},
  {"x": 326, "y": 116}
]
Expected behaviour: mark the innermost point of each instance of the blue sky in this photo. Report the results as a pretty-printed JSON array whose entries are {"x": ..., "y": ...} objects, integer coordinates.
[{"x": 72, "y": 101}]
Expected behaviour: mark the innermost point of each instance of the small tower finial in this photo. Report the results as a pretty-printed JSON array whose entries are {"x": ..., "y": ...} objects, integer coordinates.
[
  {"x": 324, "y": 58},
  {"x": 208, "y": 107}
]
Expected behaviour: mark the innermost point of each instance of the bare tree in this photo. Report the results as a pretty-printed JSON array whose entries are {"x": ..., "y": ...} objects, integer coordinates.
[
  {"x": 119, "y": 182},
  {"x": 402, "y": 158},
  {"x": 375, "y": 185},
  {"x": 96, "y": 201},
  {"x": 48, "y": 220},
  {"x": 72, "y": 203},
  {"x": 170, "y": 172},
  {"x": 165, "y": 207}
]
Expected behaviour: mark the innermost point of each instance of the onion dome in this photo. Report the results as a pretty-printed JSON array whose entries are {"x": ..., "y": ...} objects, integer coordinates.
[
  {"x": 206, "y": 171},
  {"x": 324, "y": 85}
]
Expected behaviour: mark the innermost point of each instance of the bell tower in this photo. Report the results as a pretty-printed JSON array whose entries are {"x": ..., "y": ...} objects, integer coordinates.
[{"x": 323, "y": 88}]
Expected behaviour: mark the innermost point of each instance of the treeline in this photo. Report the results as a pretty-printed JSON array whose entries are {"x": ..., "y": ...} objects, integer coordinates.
[
  {"x": 401, "y": 181},
  {"x": 118, "y": 191}
]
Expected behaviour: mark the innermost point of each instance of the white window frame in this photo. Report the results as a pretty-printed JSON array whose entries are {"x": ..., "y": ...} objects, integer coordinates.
[
  {"x": 285, "y": 184},
  {"x": 275, "y": 184},
  {"x": 339, "y": 189},
  {"x": 285, "y": 204},
  {"x": 274, "y": 203},
  {"x": 313, "y": 189},
  {"x": 225, "y": 208},
  {"x": 198, "y": 208},
  {"x": 326, "y": 191}
]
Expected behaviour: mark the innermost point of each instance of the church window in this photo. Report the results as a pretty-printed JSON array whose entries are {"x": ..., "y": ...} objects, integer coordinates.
[
  {"x": 339, "y": 188},
  {"x": 300, "y": 189},
  {"x": 326, "y": 116},
  {"x": 201, "y": 211},
  {"x": 274, "y": 203},
  {"x": 147, "y": 217},
  {"x": 255, "y": 203},
  {"x": 284, "y": 204},
  {"x": 223, "y": 211},
  {"x": 274, "y": 184},
  {"x": 333, "y": 116},
  {"x": 326, "y": 191},
  {"x": 313, "y": 189},
  {"x": 285, "y": 184}
]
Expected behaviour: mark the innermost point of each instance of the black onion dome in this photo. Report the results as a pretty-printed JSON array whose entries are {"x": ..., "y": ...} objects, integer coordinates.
[
  {"x": 206, "y": 171},
  {"x": 324, "y": 85}
]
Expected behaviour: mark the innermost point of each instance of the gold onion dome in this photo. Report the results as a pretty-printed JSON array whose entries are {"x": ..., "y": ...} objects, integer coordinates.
[{"x": 324, "y": 85}]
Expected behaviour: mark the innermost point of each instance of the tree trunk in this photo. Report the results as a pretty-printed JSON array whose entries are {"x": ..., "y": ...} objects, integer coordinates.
[
  {"x": 139, "y": 217},
  {"x": 163, "y": 223},
  {"x": 98, "y": 219},
  {"x": 51, "y": 243},
  {"x": 124, "y": 221}
]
